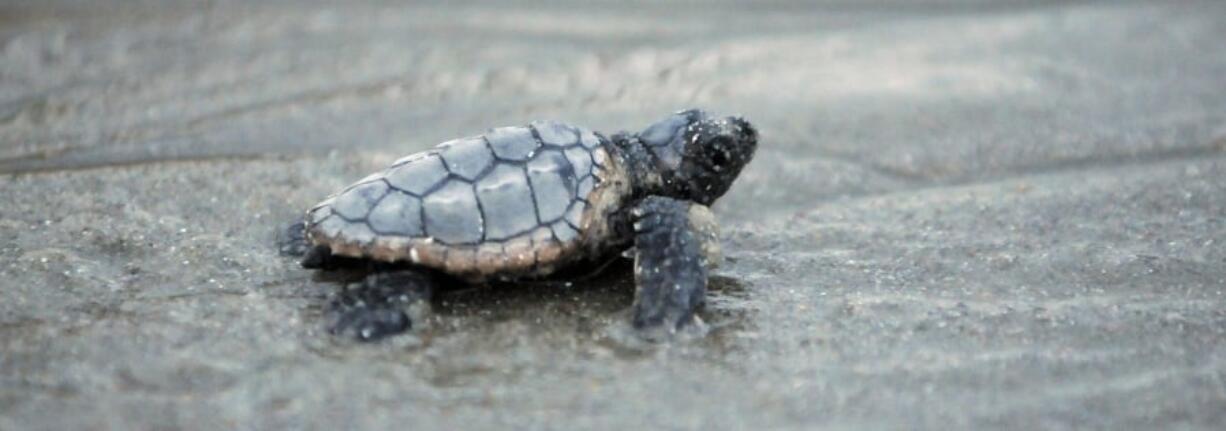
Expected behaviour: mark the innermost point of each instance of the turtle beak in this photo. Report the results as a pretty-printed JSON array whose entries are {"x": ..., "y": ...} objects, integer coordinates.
[{"x": 744, "y": 131}]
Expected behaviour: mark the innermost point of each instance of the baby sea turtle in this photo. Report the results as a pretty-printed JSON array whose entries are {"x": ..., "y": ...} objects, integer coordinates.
[{"x": 529, "y": 201}]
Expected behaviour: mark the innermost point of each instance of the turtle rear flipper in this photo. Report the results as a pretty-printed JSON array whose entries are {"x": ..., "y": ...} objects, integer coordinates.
[
  {"x": 379, "y": 307},
  {"x": 670, "y": 266},
  {"x": 292, "y": 241}
]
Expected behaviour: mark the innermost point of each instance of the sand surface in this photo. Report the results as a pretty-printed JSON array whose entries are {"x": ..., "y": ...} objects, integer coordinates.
[{"x": 963, "y": 214}]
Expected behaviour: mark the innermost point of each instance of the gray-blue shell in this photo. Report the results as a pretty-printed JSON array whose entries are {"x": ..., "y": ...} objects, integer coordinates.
[{"x": 503, "y": 185}]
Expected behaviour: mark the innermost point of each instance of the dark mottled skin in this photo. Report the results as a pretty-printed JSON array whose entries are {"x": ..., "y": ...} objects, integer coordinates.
[
  {"x": 712, "y": 154},
  {"x": 689, "y": 158},
  {"x": 382, "y": 297},
  {"x": 669, "y": 270}
]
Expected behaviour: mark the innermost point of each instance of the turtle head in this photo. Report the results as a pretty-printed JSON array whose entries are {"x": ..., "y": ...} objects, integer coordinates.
[{"x": 698, "y": 155}]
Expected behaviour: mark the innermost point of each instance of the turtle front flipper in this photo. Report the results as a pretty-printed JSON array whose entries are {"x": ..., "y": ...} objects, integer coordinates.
[
  {"x": 670, "y": 265},
  {"x": 379, "y": 307}
]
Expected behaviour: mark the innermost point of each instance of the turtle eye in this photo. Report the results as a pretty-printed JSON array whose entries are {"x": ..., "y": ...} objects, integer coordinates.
[
  {"x": 718, "y": 150},
  {"x": 719, "y": 159}
]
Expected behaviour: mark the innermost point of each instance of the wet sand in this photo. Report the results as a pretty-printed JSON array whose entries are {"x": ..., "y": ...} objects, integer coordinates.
[{"x": 963, "y": 214}]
